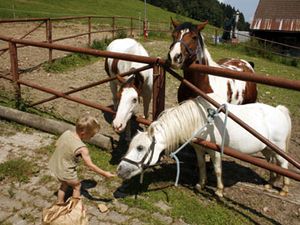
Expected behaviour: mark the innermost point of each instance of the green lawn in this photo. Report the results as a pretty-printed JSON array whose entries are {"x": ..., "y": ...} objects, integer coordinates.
[{"x": 59, "y": 8}]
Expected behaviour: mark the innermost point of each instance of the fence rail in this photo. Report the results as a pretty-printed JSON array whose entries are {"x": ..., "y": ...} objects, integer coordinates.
[{"x": 159, "y": 67}]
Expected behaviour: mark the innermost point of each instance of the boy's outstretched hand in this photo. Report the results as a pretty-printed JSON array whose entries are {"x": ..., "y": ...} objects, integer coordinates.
[{"x": 110, "y": 175}]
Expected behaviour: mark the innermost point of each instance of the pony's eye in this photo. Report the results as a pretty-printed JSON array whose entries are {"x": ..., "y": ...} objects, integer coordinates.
[
  {"x": 195, "y": 38},
  {"x": 134, "y": 100},
  {"x": 140, "y": 148}
]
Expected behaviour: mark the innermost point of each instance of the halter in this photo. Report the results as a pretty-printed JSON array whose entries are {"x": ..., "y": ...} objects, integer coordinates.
[
  {"x": 198, "y": 52},
  {"x": 141, "y": 164}
]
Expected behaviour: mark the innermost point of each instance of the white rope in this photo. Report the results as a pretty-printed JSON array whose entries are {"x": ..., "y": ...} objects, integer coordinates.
[{"x": 212, "y": 114}]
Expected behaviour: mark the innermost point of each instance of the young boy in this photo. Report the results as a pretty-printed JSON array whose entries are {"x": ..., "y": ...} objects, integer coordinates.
[{"x": 69, "y": 147}]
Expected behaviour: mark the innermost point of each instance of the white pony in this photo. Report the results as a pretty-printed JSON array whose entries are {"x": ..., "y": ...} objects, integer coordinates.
[
  {"x": 177, "y": 124},
  {"x": 140, "y": 84}
]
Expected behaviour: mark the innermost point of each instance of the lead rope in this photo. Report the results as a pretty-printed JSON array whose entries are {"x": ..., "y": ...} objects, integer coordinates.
[{"x": 212, "y": 114}]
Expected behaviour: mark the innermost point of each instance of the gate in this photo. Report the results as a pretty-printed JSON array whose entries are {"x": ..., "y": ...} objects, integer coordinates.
[{"x": 159, "y": 67}]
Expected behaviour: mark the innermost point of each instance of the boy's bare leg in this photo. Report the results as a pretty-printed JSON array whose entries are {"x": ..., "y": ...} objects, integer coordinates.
[
  {"x": 76, "y": 185},
  {"x": 62, "y": 192}
]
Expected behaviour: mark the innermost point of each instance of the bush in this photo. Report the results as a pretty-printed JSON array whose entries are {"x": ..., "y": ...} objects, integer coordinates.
[{"x": 101, "y": 44}]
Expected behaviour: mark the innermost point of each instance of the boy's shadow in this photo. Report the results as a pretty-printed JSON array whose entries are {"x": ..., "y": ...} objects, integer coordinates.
[{"x": 85, "y": 185}]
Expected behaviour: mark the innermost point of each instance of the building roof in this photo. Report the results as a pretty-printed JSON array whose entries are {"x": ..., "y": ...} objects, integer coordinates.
[{"x": 277, "y": 15}]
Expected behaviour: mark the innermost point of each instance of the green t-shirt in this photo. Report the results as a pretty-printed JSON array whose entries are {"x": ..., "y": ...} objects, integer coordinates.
[{"x": 63, "y": 162}]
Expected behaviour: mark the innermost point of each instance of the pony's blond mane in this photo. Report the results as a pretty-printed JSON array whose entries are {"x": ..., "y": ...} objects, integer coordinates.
[{"x": 177, "y": 124}]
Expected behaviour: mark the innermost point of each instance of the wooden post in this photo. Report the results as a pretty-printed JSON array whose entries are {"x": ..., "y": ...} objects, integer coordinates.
[
  {"x": 113, "y": 27},
  {"x": 14, "y": 72},
  {"x": 49, "y": 37},
  {"x": 131, "y": 27},
  {"x": 159, "y": 77},
  {"x": 89, "y": 31},
  {"x": 145, "y": 29}
]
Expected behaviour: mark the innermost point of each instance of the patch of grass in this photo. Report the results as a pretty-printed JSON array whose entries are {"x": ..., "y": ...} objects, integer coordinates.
[
  {"x": 145, "y": 216},
  {"x": 101, "y": 158},
  {"x": 60, "y": 8},
  {"x": 101, "y": 44},
  {"x": 186, "y": 205},
  {"x": 6, "y": 223},
  {"x": 28, "y": 217},
  {"x": 7, "y": 130},
  {"x": 70, "y": 62},
  {"x": 48, "y": 150},
  {"x": 17, "y": 169},
  {"x": 46, "y": 179},
  {"x": 11, "y": 190},
  {"x": 158, "y": 36},
  {"x": 77, "y": 60}
]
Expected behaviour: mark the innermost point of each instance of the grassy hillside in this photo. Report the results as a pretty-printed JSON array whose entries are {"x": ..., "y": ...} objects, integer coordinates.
[{"x": 59, "y": 8}]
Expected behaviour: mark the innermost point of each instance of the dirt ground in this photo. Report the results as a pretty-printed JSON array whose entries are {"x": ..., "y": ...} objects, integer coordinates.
[{"x": 243, "y": 182}]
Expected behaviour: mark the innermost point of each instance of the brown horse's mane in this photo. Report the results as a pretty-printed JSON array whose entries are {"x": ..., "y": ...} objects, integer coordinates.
[{"x": 186, "y": 25}]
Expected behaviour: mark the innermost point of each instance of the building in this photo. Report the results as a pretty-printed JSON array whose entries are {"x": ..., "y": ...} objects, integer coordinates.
[{"x": 279, "y": 21}]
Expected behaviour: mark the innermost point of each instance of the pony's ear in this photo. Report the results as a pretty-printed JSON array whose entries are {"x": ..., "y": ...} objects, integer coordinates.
[
  {"x": 175, "y": 23},
  {"x": 120, "y": 79},
  {"x": 150, "y": 131},
  {"x": 139, "y": 81},
  {"x": 202, "y": 25}
]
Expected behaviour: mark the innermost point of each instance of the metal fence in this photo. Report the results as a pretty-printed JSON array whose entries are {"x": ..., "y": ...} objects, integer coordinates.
[{"x": 160, "y": 67}]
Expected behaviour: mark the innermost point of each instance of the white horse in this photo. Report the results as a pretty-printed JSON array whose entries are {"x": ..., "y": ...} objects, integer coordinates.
[
  {"x": 139, "y": 84},
  {"x": 177, "y": 124}
]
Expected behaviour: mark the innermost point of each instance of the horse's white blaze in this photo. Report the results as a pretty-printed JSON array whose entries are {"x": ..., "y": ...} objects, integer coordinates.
[
  {"x": 126, "y": 108},
  {"x": 123, "y": 114},
  {"x": 175, "y": 52},
  {"x": 177, "y": 124}
]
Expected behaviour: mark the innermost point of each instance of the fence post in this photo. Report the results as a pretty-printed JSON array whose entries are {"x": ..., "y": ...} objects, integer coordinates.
[
  {"x": 159, "y": 77},
  {"x": 89, "y": 31},
  {"x": 49, "y": 37},
  {"x": 113, "y": 27},
  {"x": 15, "y": 72},
  {"x": 131, "y": 27},
  {"x": 145, "y": 29}
]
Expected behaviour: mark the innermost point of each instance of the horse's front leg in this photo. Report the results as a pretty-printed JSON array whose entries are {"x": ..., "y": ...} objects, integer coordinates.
[
  {"x": 128, "y": 131},
  {"x": 286, "y": 181},
  {"x": 200, "y": 153},
  {"x": 146, "y": 103},
  {"x": 217, "y": 162},
  {"x": 114, "y": 88}
]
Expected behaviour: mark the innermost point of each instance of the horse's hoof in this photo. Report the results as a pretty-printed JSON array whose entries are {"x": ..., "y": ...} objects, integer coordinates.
[
  {"x": 198, "y": 187},
  {"x": 268, "y": 186},
  {"x": 283, "y": 193},
  {"x": 219, "y": 193}
]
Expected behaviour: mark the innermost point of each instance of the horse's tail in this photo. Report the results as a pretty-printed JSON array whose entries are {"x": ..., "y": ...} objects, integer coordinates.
[{"x": 286, "y": 112}]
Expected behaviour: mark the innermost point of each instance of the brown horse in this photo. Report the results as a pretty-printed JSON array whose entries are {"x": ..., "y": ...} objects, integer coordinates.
[{"x": 188, "y": 47}]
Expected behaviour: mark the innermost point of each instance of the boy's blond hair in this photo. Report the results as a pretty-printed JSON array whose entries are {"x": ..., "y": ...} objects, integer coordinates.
[{"x": 87, "y": 124}]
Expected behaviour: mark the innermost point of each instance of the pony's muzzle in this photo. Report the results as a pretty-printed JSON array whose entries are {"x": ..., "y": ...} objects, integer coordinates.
[
  {"x": 178, "y": 58},
  {"x": 175, "y": 61},
  {"x": 118, "y": 129},
  {"x": 123, "y": 173}
]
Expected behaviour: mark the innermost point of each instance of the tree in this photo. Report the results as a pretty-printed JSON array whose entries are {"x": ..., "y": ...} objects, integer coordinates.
[{"x": 211, "y": 10}]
